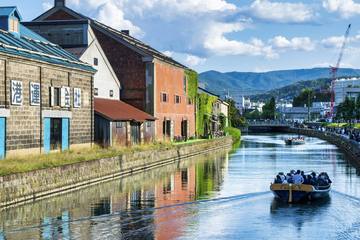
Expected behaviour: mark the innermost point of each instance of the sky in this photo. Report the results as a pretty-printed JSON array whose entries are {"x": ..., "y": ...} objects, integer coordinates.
[{"x": 230, "y": 35}]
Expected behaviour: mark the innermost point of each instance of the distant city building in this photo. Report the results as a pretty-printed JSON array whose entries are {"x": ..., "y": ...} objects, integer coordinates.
[
  {"x": 300, "y": 113},
  {"x": 346, "y": 87}
]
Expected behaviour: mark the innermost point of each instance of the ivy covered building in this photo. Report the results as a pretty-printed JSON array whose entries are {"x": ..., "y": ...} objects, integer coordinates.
[
  {"x": 212, "y": 113},
  {"x": 45, "y": 92}
]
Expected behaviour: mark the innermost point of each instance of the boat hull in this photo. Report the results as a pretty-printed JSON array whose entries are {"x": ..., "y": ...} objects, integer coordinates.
[
  {"x": 292, "y": 142},
  {"x": 298, "y": 192}
]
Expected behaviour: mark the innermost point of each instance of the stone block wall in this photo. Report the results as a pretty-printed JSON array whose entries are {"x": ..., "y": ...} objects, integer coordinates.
[
  {"x": 349, "y": 147},
  {"x": 24, "y": 126},
  {"x": 29, "y": 186}
]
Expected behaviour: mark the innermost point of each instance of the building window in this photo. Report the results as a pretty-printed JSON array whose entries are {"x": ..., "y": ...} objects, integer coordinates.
[
  {"x": 119, "y": 124},
  {"x": 96, "y": 91},
  {"x": 14, "y": 25},
  {"x": 164, "y": 97},
  {"x": 189, "y": 101},
  {"x": 55, "y": 96},
  {"x": 111, "y": 93},
  {"x": 96, "y": 62},
  {"x": 148, "y": 124},
  {"x": 167, "y": 128},
  {"x": 177, "y": 99}
]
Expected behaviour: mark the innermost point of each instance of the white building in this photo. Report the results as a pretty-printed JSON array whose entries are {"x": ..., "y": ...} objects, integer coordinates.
[{"x": 346, "y": 87}]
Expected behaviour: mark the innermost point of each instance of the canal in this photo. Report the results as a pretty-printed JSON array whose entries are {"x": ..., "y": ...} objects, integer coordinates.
[{"x": 218, "y": 196}]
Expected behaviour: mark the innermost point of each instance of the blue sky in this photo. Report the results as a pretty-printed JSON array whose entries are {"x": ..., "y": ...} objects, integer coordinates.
[{"x": 230, "y": 35}]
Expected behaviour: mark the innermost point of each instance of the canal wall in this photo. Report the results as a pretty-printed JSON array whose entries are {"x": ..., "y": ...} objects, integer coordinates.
[
  {"x": 349, "y": 147},
  {"x": 30, "y": 186}
]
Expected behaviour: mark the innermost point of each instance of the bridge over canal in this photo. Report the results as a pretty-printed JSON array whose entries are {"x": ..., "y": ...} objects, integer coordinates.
[{"x": 268, "y": 126}]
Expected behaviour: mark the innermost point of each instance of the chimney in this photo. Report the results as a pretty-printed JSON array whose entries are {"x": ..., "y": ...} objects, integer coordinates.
[
  {"x": 126, "y": 32},
  {"x": 59, "y": 3}
]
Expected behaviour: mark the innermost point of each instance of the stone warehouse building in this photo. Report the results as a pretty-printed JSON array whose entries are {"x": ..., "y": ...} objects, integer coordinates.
[
  {"x": 148, "y": 80},
  {"x": 45, "y": 92}
]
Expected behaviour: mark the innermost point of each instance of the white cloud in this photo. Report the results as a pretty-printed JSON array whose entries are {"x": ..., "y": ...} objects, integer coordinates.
[
  {"x": 345, "y": 8},
  {"x": 217, "y": 43},
  {"x": 296, "y": 43},
  {"x": 47, "y": 5},
  {"x": 282, "y": 12},
  {"x": 176, "y": 7},
  {"x": 111, "y": 15},
  {"x": 193, "y": 60},
  {"x": 337, "y": 41},
  {"x": 168, "y": 53}
]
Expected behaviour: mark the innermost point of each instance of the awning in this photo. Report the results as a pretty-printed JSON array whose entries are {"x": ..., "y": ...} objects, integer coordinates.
[{"x": 115, "y": 110}]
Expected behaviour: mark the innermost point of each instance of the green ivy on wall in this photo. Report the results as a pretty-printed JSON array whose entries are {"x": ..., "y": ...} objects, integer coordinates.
[
  {"x": 192, "y": 80},
  {"x": 205, "y": 104}
]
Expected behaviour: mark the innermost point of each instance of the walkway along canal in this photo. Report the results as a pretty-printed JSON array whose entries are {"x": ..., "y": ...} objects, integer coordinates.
[{"x": 218, "y": 196}]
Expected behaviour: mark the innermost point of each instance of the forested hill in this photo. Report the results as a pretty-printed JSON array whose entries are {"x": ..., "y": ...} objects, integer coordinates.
[
  {"x": 238, "y": 83},
  {"x": 290, "y": 91}
]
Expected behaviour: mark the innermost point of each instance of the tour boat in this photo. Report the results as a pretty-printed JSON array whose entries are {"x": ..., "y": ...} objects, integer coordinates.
[
  {"x": 293, "y": 193},
  {"x": 294, "y": 141}
]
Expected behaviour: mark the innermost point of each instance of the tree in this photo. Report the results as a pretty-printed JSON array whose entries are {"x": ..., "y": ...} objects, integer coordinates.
[
  {"x": 347, "y": 109},
  {"x": 235, "y": 118},
  {"x": 269, "y": 109},
  {"x": 357, "y": 108}
]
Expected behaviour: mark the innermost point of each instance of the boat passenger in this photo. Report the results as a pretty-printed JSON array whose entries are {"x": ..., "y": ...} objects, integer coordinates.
[
  {"x": 298, "y": 179},
  {"x": 282, "y": 176},
  {"x": 289, "y": 178},
  {"x": 278, "y": 179}
]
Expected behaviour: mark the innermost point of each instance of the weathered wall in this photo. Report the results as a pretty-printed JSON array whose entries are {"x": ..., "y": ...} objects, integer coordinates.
[
  {"x": 23, "y": 187},
  {"x": 129, "y": 68},
  {"x": 349, "y": 147},
  {"x": 170, "y": 80}
]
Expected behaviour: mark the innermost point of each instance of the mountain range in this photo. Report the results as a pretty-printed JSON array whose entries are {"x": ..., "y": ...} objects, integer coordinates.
[{"x": 250, "y": 83}]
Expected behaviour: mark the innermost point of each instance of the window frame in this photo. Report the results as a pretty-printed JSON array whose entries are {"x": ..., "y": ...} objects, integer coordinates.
[
  {"x": 177, "y": 99},
  {"x": 162, "y": 95}
]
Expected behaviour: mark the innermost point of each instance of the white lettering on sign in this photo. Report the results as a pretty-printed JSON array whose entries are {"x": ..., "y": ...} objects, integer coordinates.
[
  {"x": 65, "y": 97},
  {"x": 16, "y": 93},
  {"x": 35, "y": 94},
  {"x": 77, "y": 97}
]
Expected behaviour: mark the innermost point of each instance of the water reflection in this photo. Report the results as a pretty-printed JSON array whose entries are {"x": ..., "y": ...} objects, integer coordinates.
[
  {"x": 129, "y": 208},
  {"x": 298, "y": 214},
  {"x": 212, "y": 197}
]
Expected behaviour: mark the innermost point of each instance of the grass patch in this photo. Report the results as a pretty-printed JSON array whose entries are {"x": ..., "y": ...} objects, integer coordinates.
[
  {"x": 189, "y": 142},
  {"x": 341, "y": 125},
  {"x": 33, "y": 162}
]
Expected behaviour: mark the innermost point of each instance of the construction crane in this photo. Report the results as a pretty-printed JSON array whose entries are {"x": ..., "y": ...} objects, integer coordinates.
[{"x": 334, "y": 70}]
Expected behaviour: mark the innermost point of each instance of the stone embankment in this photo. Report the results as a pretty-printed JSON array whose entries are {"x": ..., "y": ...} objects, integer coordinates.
[
  {"x": 349, "y": 147},
  {"x": 24, "y": 187}
]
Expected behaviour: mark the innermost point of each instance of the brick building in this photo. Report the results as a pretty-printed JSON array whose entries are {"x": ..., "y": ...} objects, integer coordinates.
[
  {"x": 45, "y": 92},
  {"x": 150, "y": 81}
]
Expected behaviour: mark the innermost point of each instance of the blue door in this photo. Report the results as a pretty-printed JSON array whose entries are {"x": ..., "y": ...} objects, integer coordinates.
[
  {"x": 2, "y": 137},
  {"x": 47, "y": 133},
  {"x": 65, "y": 134}
]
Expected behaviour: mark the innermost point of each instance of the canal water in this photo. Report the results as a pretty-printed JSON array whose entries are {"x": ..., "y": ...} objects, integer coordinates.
[{"x": 218, "y": 196}]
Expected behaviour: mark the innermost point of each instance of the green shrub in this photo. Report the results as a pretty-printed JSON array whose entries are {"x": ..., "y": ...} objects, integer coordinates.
[{"x": 235, "y": 133}]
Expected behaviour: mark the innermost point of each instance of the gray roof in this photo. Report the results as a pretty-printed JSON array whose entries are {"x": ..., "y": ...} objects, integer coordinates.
[{"x": 31, "y": 45}]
